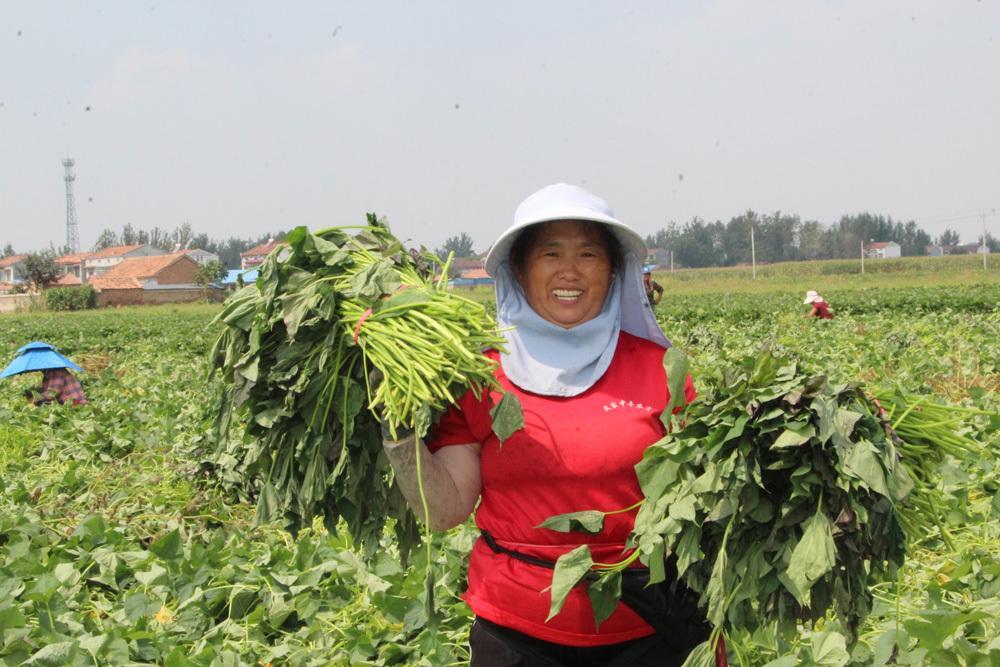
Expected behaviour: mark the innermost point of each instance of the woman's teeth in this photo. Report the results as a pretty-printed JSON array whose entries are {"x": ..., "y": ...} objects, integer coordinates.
[{"x": 567, "y": 294}]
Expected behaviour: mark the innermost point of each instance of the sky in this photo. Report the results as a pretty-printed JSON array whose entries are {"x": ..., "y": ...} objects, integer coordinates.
[{"x": 243, "y": 118}]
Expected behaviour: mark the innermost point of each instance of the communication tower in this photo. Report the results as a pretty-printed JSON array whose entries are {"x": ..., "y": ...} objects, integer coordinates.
[{"x": 72, "y": 232}]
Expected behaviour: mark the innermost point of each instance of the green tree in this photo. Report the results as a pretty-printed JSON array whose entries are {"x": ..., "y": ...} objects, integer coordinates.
[
  {"x": 8, "y": 250},
  {"x": 812, "y": 241},
  {"x": 40, "y": 269},
  {"x": 736, "y": 238},
  {"x": 700, "y": 244},
  {"x": 461, "y": 245},
  {"x": 106, "y": 239},
  {"x": 160, "y": 238},
  {"x": 948, "y": 238},
  {"x": 208, "y": 273},
  {"x": 129, "y": 235},
  {"x": 182, "y": 235}
]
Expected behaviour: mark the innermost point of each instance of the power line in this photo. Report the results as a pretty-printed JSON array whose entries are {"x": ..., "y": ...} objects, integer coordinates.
[{"x": 955, "y": 218}]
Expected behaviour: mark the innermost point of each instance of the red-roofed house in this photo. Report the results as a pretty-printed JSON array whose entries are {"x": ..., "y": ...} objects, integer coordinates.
[
  {"x": 153, "y": 279},
  {"x": 67, "y": 280},
  {"x": 12, "y": 269},
  {"x": 72, "y": 265},
  {"x": 199, "y": 255},
  {"x": 98, "y": 262},
  {"x": 257, "y": 254}
]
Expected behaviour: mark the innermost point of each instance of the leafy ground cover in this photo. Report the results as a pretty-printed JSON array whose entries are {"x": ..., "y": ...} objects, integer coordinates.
[{"x": 121, "y": 544}]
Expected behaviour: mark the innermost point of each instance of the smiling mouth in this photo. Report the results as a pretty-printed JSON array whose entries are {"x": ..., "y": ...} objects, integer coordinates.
[{"x": 567, "y": 294}]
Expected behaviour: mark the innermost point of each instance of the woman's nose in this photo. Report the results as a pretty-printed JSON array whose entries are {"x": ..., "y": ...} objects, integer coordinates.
[{"x": 568, "y": 267}]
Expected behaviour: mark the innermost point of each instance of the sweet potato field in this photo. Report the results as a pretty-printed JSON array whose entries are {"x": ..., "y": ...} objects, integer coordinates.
[{"x": 126, "y": 538}]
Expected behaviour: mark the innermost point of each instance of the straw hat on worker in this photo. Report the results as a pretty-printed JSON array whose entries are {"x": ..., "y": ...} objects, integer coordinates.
[{"x": 812, "y": 297}]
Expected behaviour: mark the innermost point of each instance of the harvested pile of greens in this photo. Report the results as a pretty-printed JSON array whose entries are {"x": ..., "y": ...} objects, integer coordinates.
[
  {"x": 297, "y": 352},
  {"x": 775, "y": 493}
]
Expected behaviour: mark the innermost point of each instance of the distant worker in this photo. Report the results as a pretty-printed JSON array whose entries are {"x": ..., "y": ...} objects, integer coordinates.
[
  {"x": 58, "y": 383},
  {"x": 654, "y": 290},
  {"x": 820, "y": 308}
]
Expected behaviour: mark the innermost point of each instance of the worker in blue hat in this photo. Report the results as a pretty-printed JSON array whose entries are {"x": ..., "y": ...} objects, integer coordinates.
[
  {"x": 654, "y": 290},
  {"x": 58, "y": 383}
]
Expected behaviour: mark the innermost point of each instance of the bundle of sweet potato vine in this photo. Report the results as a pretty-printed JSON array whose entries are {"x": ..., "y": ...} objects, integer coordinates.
[
  {"x": 776, "y": 495},
  {"x": 297, "y": 352}
]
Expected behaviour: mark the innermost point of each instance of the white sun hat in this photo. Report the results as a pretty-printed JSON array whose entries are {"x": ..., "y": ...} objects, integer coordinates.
[
  {"x": 812, "y": 297},
  {"x": 562, "y": 201}
]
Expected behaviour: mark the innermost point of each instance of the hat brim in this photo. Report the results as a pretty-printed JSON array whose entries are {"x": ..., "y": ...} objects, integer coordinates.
[{"x": 500, "y": 251}]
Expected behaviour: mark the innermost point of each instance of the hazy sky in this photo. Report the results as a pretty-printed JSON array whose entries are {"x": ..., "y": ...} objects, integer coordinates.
[{"x": 246, "y": 117}]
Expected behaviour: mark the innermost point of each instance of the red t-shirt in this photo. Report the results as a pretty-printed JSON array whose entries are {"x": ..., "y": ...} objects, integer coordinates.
[
  {"x": 823, "y": 310},
  {"x": 575, "y": 453}
]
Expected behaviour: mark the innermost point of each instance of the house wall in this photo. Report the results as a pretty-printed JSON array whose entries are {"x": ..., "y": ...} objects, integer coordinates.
[
  {"x": 11, "y": 274},
  {"x": 203, "y": 256},
  {"x": 95, "y": 267},
  {"x": 15, "y": 303},
  {"x": 251, "y": 261},
  {"x": 141, "y": 297},
  {"x": 179, "y": 272}
]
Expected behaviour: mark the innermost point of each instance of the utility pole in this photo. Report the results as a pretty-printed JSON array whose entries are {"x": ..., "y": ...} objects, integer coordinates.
[
  {"x": 753, "y": 254},
  {"x": 984, "y": 246},
  {"x": 671, "y": 262},
  {"x": 862, "y": 256}
]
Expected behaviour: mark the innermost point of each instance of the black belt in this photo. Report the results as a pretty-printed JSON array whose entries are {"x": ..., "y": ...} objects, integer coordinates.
[{"x": 670, "y": 607}]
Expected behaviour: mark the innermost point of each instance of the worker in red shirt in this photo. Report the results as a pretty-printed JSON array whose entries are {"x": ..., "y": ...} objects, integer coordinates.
[
  {"x": 820, "y": 308},
  {"x": 584, "y": 355}
]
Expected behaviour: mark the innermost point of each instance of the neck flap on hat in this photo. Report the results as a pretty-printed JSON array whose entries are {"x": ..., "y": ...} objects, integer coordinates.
[{"x": 547, "y": 359}]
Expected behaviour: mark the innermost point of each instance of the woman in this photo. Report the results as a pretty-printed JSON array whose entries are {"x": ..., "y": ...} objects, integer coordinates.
[
  {"x": 585, "y": 358},
  {"x": 820, "y": 308}
]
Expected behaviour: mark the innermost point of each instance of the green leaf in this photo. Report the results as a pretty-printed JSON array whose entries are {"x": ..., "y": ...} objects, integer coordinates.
[
  {"x": 587, "y": 521},
  {"x": 507, "y": 416},
  {"x": 717, "y": 589},
  {"x": 605, "y": 593},
  {"x": 784, "y": 661},
  {"x": 675, "y": 363},
  {"x": 267, "y": 505},
  {"x": 571, "y": 567},
  {"x": 168, "y": 547},
  {"x": 794, "y": 435},
  {"x": 884, "y": 648},
  {"x": 656, "y": 472},
  {"x": 703, "y": 655},
  {"x": 829, "y": 649},
  {"x": 136, "y": 605},
  {"x": 92, "y": 528},
  {"x": 844, "y": 421},
  {"x": 935, "y": 626},
  {"x": 66, "y": 574},
  {"x": 57, "y": 654},
  {"x": 862, "y": 461},
  {"x": 813, "y": 556}
]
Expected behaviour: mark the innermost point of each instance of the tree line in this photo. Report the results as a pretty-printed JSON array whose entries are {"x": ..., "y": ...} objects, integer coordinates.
[
  {"x": 182, "y": 236},
  {"x": 780, "y": 237}
]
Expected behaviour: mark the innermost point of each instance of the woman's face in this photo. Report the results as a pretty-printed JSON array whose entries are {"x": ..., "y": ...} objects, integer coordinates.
[{"x": 566, "y": 273}]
